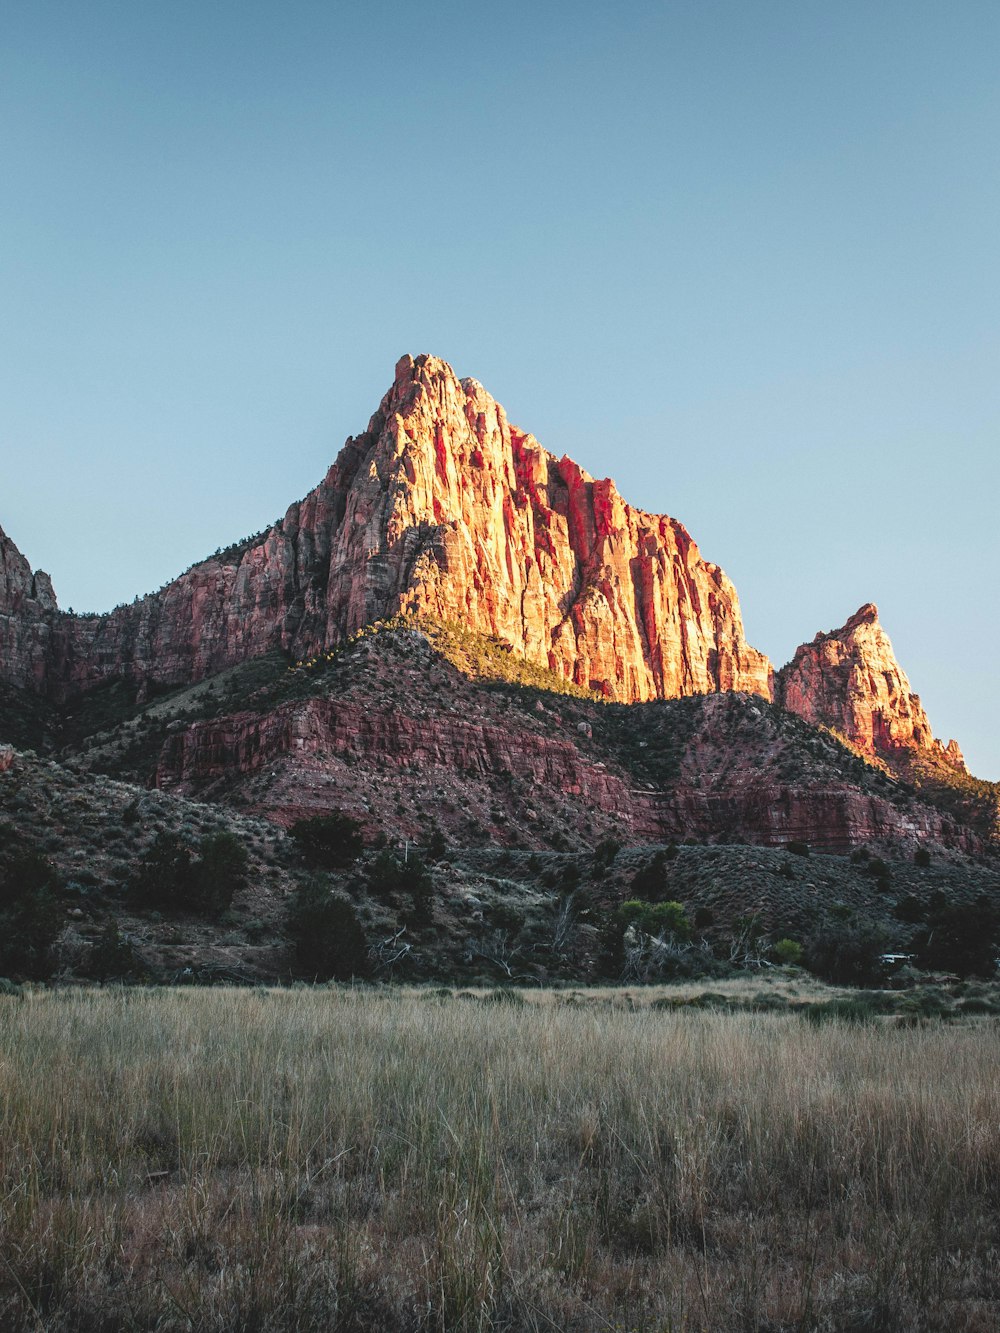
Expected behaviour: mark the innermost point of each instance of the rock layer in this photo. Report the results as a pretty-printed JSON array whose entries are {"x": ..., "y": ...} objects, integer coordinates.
[
  {"x": 440, "y": 507},
  {"x": 391, "y": 766},
  {"x": 849, "y": 680}
]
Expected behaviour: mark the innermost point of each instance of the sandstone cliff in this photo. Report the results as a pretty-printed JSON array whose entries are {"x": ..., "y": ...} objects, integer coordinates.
[
  {"x": 27, "y": 611},
  {"x": 440, "y": 507},
  {"x": 849, "y": 680}
]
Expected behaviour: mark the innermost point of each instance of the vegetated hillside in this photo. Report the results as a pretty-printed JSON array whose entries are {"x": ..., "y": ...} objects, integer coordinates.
[
  {"x": 105, "y": 864},
  {"x": 415, "y": 725}
]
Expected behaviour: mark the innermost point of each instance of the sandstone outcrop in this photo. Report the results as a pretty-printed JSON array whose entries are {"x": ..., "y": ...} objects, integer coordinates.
[
  {"x": 849, "y": 680},
  {"x": 308, "y": 758},
  {"x": 27, "y": 612},
  {"x": 441, "y": 507}
]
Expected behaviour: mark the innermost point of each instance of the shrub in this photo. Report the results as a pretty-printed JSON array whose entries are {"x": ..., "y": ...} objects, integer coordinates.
[
  {"x": 852, "y": 1010},
  {"x": 788, "y": 952},
  {"x": 797, "y": 848},
  {"x": 328, "y": 842},
  {"x": 329, "y": 940},
  {"x": 922, "y": 857},
  {"x": 656, "y": 919}
]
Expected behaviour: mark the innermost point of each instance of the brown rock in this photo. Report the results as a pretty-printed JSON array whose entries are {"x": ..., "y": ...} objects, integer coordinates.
[{"x": 849, "y": 680}]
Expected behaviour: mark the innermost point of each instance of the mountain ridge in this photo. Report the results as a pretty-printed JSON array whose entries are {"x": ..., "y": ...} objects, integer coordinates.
[{"x": 442, "y": 508}]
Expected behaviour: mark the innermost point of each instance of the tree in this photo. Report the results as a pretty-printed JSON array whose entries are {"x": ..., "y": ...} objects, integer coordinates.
[
  {"x": 650, "y": 882},
  {"x": 329, "y": 940},
  {"x": 162, "y": 876},
  {"x": 328, "y": 842},
  {"x": 437, "y": 846},
  {"x": 29, "y": 915},
  {"x": 848, "y": 953},
  {"x": 113, "y": 958},
  {"x": 961, "y": 937},
  {"x": 219, "y": 872},
  {"x": 170, "y": 877}
]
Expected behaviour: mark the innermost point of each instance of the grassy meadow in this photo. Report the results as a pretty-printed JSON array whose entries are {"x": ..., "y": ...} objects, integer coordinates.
[{"x": 322, "y": 1159}]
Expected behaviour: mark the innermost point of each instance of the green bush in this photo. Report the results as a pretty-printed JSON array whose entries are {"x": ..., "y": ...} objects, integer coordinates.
[
  {"x": 330, "y": 943},
  {"x": 328, "y": 842},
  {"x": 786, "y": 951},
  {"x": 668, "y": 918}
]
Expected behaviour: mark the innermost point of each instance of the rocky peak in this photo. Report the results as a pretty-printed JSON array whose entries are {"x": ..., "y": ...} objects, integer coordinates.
[
  {"x": 443, "y": 508},
  {"x": 27, "y": 611},
  {"x": 19, "y": 585},
  {"x": 849, "y": 680}
]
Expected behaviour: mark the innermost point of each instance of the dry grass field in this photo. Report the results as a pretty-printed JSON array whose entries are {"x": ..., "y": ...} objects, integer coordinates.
[{"x": 375, "y": 1160}]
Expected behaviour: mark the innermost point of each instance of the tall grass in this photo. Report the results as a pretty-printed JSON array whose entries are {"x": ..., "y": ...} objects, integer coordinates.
[{"x": 328, "y": 1159}]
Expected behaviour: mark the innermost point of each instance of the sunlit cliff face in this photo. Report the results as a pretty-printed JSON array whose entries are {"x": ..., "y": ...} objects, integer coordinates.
[
  {"x": 512, "y": 541},
  {"x": 442, "y": 508},
  {"x": 850, "y": 680}
]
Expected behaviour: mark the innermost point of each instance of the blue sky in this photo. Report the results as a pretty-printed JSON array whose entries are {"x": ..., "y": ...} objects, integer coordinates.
[{"x": 740, "y": 256}]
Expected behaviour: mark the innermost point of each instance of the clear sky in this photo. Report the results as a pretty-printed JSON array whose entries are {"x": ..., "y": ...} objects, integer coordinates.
[{"x": 742, "y": 255}]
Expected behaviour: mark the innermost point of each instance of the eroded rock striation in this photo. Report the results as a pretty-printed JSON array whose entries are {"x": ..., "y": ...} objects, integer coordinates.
[
  {"x": 441, "y": 507},
  {"x": 849, "y": 680}
]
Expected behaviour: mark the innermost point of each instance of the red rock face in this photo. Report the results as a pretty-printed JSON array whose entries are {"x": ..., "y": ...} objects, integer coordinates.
[
  {"x": 27, "y": 609},
  {"x": 849, "y": 680},
  {"x": 313, "y": 756},
  {"x": 440, "y": 507}
]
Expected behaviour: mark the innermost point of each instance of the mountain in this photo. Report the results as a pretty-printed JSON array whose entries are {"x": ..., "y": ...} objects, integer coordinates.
[
  {"x": 442, "y": 508},
  {"x": 485, "y": 562},
  {"x": 462, "y": 644}
]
